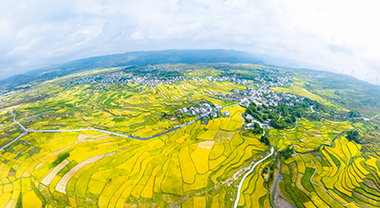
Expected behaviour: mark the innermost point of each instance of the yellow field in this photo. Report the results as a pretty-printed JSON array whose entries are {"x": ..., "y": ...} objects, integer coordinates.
[
  {"x": 198, "y": 165},
  {"x": 115, "y": 170}
]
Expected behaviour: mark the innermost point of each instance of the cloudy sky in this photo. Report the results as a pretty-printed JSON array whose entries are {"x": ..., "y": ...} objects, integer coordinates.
[{"x": 332, "y": 35}]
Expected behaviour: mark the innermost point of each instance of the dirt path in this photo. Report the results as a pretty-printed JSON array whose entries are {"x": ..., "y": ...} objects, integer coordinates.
[
  {"x": 61, "y": 186},
  {"x": 249, "y": 172},
  {"x": 49, "y": 177}
]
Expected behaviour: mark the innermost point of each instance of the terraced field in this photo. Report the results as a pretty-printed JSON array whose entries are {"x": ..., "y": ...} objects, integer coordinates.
[
  {"x": 10, "y": 130},
  {"x": 308, "y": 135},
  {"x": 125, "y": 108},
  {"x": 90, "y": 168},
  {"x": 100, "y": 161},
  {"x": 335, "y": 174}
]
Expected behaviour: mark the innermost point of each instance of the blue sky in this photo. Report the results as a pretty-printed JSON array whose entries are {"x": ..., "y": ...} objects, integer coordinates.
[{"x": 332, "y": 35}]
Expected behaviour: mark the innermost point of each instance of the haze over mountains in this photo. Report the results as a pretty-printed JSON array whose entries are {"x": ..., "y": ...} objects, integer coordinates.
[
  {"x": 313, "y": 34},
  {"x": 141, "y": 58},
  {"x": 133, "y": 58},
  {"x": 189, "y": 104}
]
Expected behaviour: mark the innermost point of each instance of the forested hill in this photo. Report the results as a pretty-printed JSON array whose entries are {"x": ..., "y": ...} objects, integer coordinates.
[{"x": 139, "y": 58}]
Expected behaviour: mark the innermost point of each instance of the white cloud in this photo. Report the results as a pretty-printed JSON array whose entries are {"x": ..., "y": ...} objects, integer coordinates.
[{"x": 334, "y": 34}]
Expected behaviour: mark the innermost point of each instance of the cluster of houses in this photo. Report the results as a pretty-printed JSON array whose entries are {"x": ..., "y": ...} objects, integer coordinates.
[
  {"x": 274, "y": 81},
  {"x": 7, "y": 93},
  {"x": 197, "y": 80},
  {"x": 268, "y": 97},
  {"x": 153, "y": 80},
  {"x": 233, "y": 79},
  {"x": 235, "y": 96},
  {"x": 263, "y": 95},
  {"x": 279, "y": 81},
  {"x": 147, "y": 81},
  {"x": 119, "y": 77},
  {"x": 204, "y": 110}
]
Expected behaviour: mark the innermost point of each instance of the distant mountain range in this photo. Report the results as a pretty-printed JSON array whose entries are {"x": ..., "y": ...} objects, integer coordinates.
[{"x": 139, "y": 58}]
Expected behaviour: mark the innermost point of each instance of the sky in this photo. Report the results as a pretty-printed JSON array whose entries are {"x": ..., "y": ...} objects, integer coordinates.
[{"x": 333, "y": 35}]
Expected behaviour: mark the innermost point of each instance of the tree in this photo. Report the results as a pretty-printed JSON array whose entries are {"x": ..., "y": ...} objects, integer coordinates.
[
  {"x": 298, "y": 113},
  {"x": 257, "y": 129},
  {"x": 252, "y": 104},
  {"x": 264, "y": 139},
  {"x": 288, "y": 120},
  {"x": 293, "y": 118},
  {"x": 278, "y": 124},
  {"x": 287, "y": 152},
  {"x": 353, "y": 135},
  {"x": 354, "y": 114},
  {"x": 249, "y": 111},
  {"x": 315, "y": 116},
  {"x": 256, "y": 125},
  {"x": 258, "y": 117},
  {"x": 273, "y": 115}
]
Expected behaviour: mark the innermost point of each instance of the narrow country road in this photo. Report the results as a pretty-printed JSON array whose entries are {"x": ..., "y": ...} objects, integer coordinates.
[
  {"x": 25, "y": 130},
  {"x": 367, "y": 119},
  {"x": 117, "y": 134},
  {"x": 14, "y": 120},
  {"x": 374, "y": 117},
  {"x": 19, "y": 136},
  {"x": 51, "y": 111},
  {"x": 311, "y": 178},
  {"x": 249, "y": 172},
  {"x": 274, "y": 190},
  {"x": 131, "y": 137},
  {"x": 327, "y": 191}
]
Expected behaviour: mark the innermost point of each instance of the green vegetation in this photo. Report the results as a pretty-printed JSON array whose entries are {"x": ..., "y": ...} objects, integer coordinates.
[
  {"x": 257, "y": 129},
  {"x": 264, "y": 139},
  {"x": 322, "y": 139},
  {"x": 353, "y": 135}
]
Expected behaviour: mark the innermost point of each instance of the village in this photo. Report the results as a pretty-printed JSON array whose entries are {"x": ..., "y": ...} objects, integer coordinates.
[
  {"x": 151, "y": 79},
  {"x": 120, "y": 77},
  {"x": 258, "y": 91},
  {"x": 262, "y": 96}
]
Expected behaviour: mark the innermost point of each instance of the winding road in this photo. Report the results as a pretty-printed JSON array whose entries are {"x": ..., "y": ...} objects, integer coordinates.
[
  {"x": 328, "y": 192},
  {"x": 51, "y": 111},
  {"x": 294, "y": 151},
  {"x": 249, "y": 172},
  {"x": 25, "y": 130},
  {"x": 14, "y": 120},
  {"x": 117, "y": 134},
  {"x": 275, "y": 185},
  {"x": 374, "y": 117},
  {"x": 367, "y": 119},
  {"x": 315, "y": 171}
]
